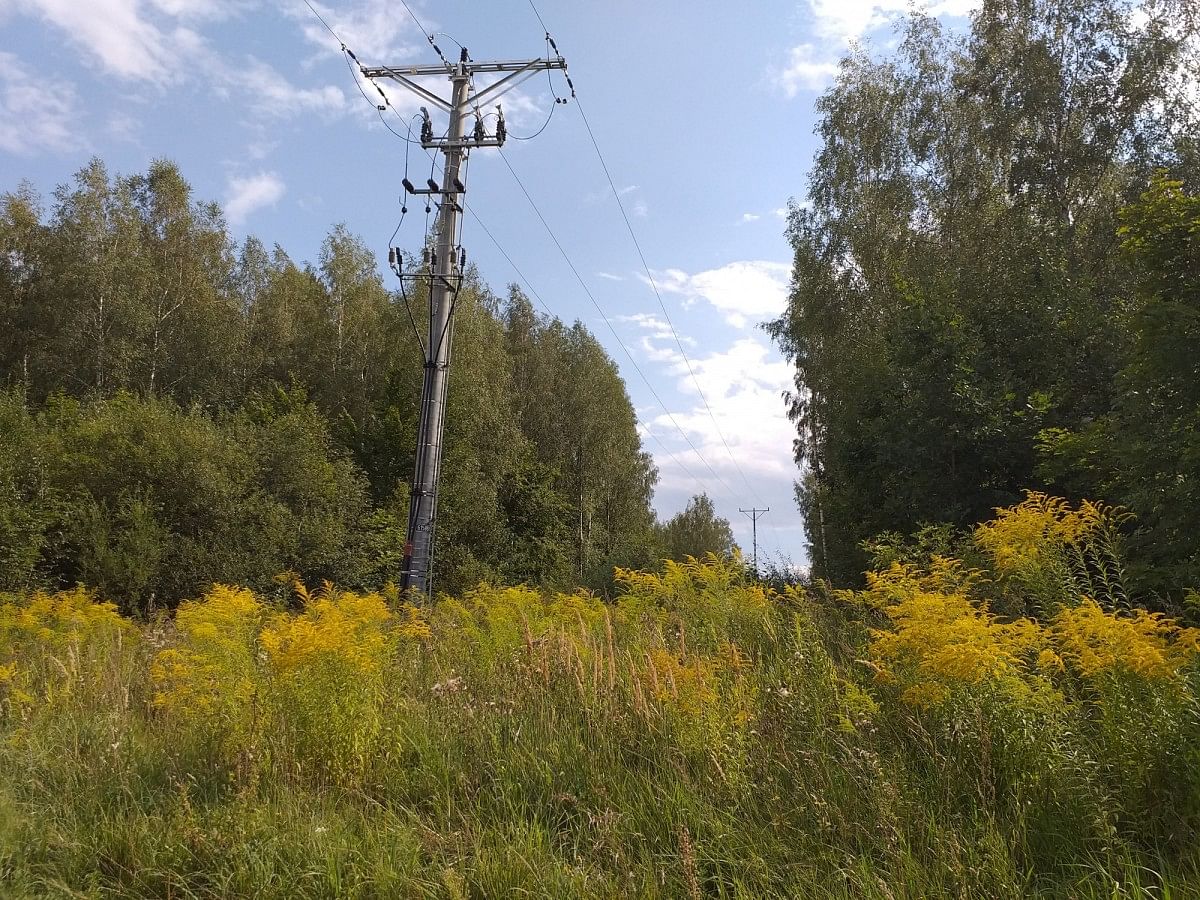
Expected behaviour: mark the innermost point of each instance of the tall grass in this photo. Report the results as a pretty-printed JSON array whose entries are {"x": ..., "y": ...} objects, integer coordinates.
[{"x": 701, "y": 737}]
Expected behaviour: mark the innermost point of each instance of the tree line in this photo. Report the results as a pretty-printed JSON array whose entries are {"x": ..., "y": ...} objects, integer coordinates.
[
  {"x": 997, "y": 280},
  {"x": 179, "y": 409}
]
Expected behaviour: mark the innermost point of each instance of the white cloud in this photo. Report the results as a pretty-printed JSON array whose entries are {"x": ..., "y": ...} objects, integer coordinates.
[
  {"x": 845, "y": 20},
  {"x": 806, "y": 70},
  {"x": 152, "y": 42},
  {"x": 609, "y": 276},
  {"x": 848, "y": 20},
  {"x": 121, "y": 126},
  {"x": 838, "y": 23},
  {"x": 261, "y": 148},
  {"x": 373, "y": 29},
  {"x": 35, "y": 115},
  {"x": 743, "y": 386},
  {"x": 735, "y": 443},
  {"x": 272, "y": 94},
  {"x": 668, "y": 355},
  {"x": 749, "y": 217},
  {"x": 197, "y": 9},
  {"x": 743, "y": 291},
  {"x": 638, "y": 207},
  {"x": 121, "y": 37},
  {"x": 252, "y": 193},
  {"x": 659, "y": 329}
]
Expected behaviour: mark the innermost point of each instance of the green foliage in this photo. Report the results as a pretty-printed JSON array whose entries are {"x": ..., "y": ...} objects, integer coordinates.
[
  {"x": 958, "y": 286},
  {"x": 697, "y": 530},
  {"x": 183, "y": 411},
  {"x": 25, "y": 514},
  {"x": 1145, "y": 452},
  {"x": 152, "y": 503},
  {"x": 572, "y": 404}
]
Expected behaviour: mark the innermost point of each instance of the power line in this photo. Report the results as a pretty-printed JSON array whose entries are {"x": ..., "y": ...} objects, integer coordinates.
[
  {"x": 321, "y": 19},
  {"x": 412, "y": 15},
  {"x": 349, "y": 54},
  {"x": 604, "y": 316},
  {"x": 428, "y": 36},
  {"x": 661, "y": 303},
  {"x": 533, "y": 292},
  {"x": 469, "y": 210},
  {"x": 539, "y": 17},
  {"x": 545, "y": 125},
  {"x": 649, "y": 274},
  {"x": 524, "y": 279}
]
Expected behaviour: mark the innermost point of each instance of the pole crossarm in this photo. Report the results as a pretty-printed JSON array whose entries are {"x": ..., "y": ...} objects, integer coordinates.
[
  {"x": 473, "y": 68},
  {"x": 465, "y": 144},
  {"x": 515, "y": 72}
]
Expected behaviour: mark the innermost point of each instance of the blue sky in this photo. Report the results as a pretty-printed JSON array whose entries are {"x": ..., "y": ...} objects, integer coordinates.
[{"x": 703, "y": 110}]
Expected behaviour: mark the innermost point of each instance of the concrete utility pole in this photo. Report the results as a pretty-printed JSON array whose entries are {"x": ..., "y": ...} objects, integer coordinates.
[
  {"x": 443, "y": 269},
  {"x": 754, "y": 515}
]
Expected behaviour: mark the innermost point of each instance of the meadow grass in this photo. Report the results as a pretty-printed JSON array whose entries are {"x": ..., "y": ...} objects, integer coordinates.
[{"x": 702, "y": 736}]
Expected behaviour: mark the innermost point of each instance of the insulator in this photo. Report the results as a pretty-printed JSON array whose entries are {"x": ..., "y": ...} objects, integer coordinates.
[
  {"x": 433, "y": 185},
  {"x": 462, "y": 258},
  {"x": 391, "y": 256}
]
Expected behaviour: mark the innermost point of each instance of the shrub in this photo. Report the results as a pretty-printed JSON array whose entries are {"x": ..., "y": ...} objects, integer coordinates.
[
  {"x": 209, "y": 679},
  {"x": 55, "y": 645}
]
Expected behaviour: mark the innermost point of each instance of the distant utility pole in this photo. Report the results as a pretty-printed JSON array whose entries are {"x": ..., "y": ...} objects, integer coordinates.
[
  {"x": 754, "y": 515},
  {"x": 443, "y": 268}
]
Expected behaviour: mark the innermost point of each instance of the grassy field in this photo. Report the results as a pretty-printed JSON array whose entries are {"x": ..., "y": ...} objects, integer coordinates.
[{"x": 701, "y": 736}]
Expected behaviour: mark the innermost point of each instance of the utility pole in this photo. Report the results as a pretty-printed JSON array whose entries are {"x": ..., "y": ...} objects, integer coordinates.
[
  {"x": 442, "y": 269},
  {"x": 754, "y": 515}
]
